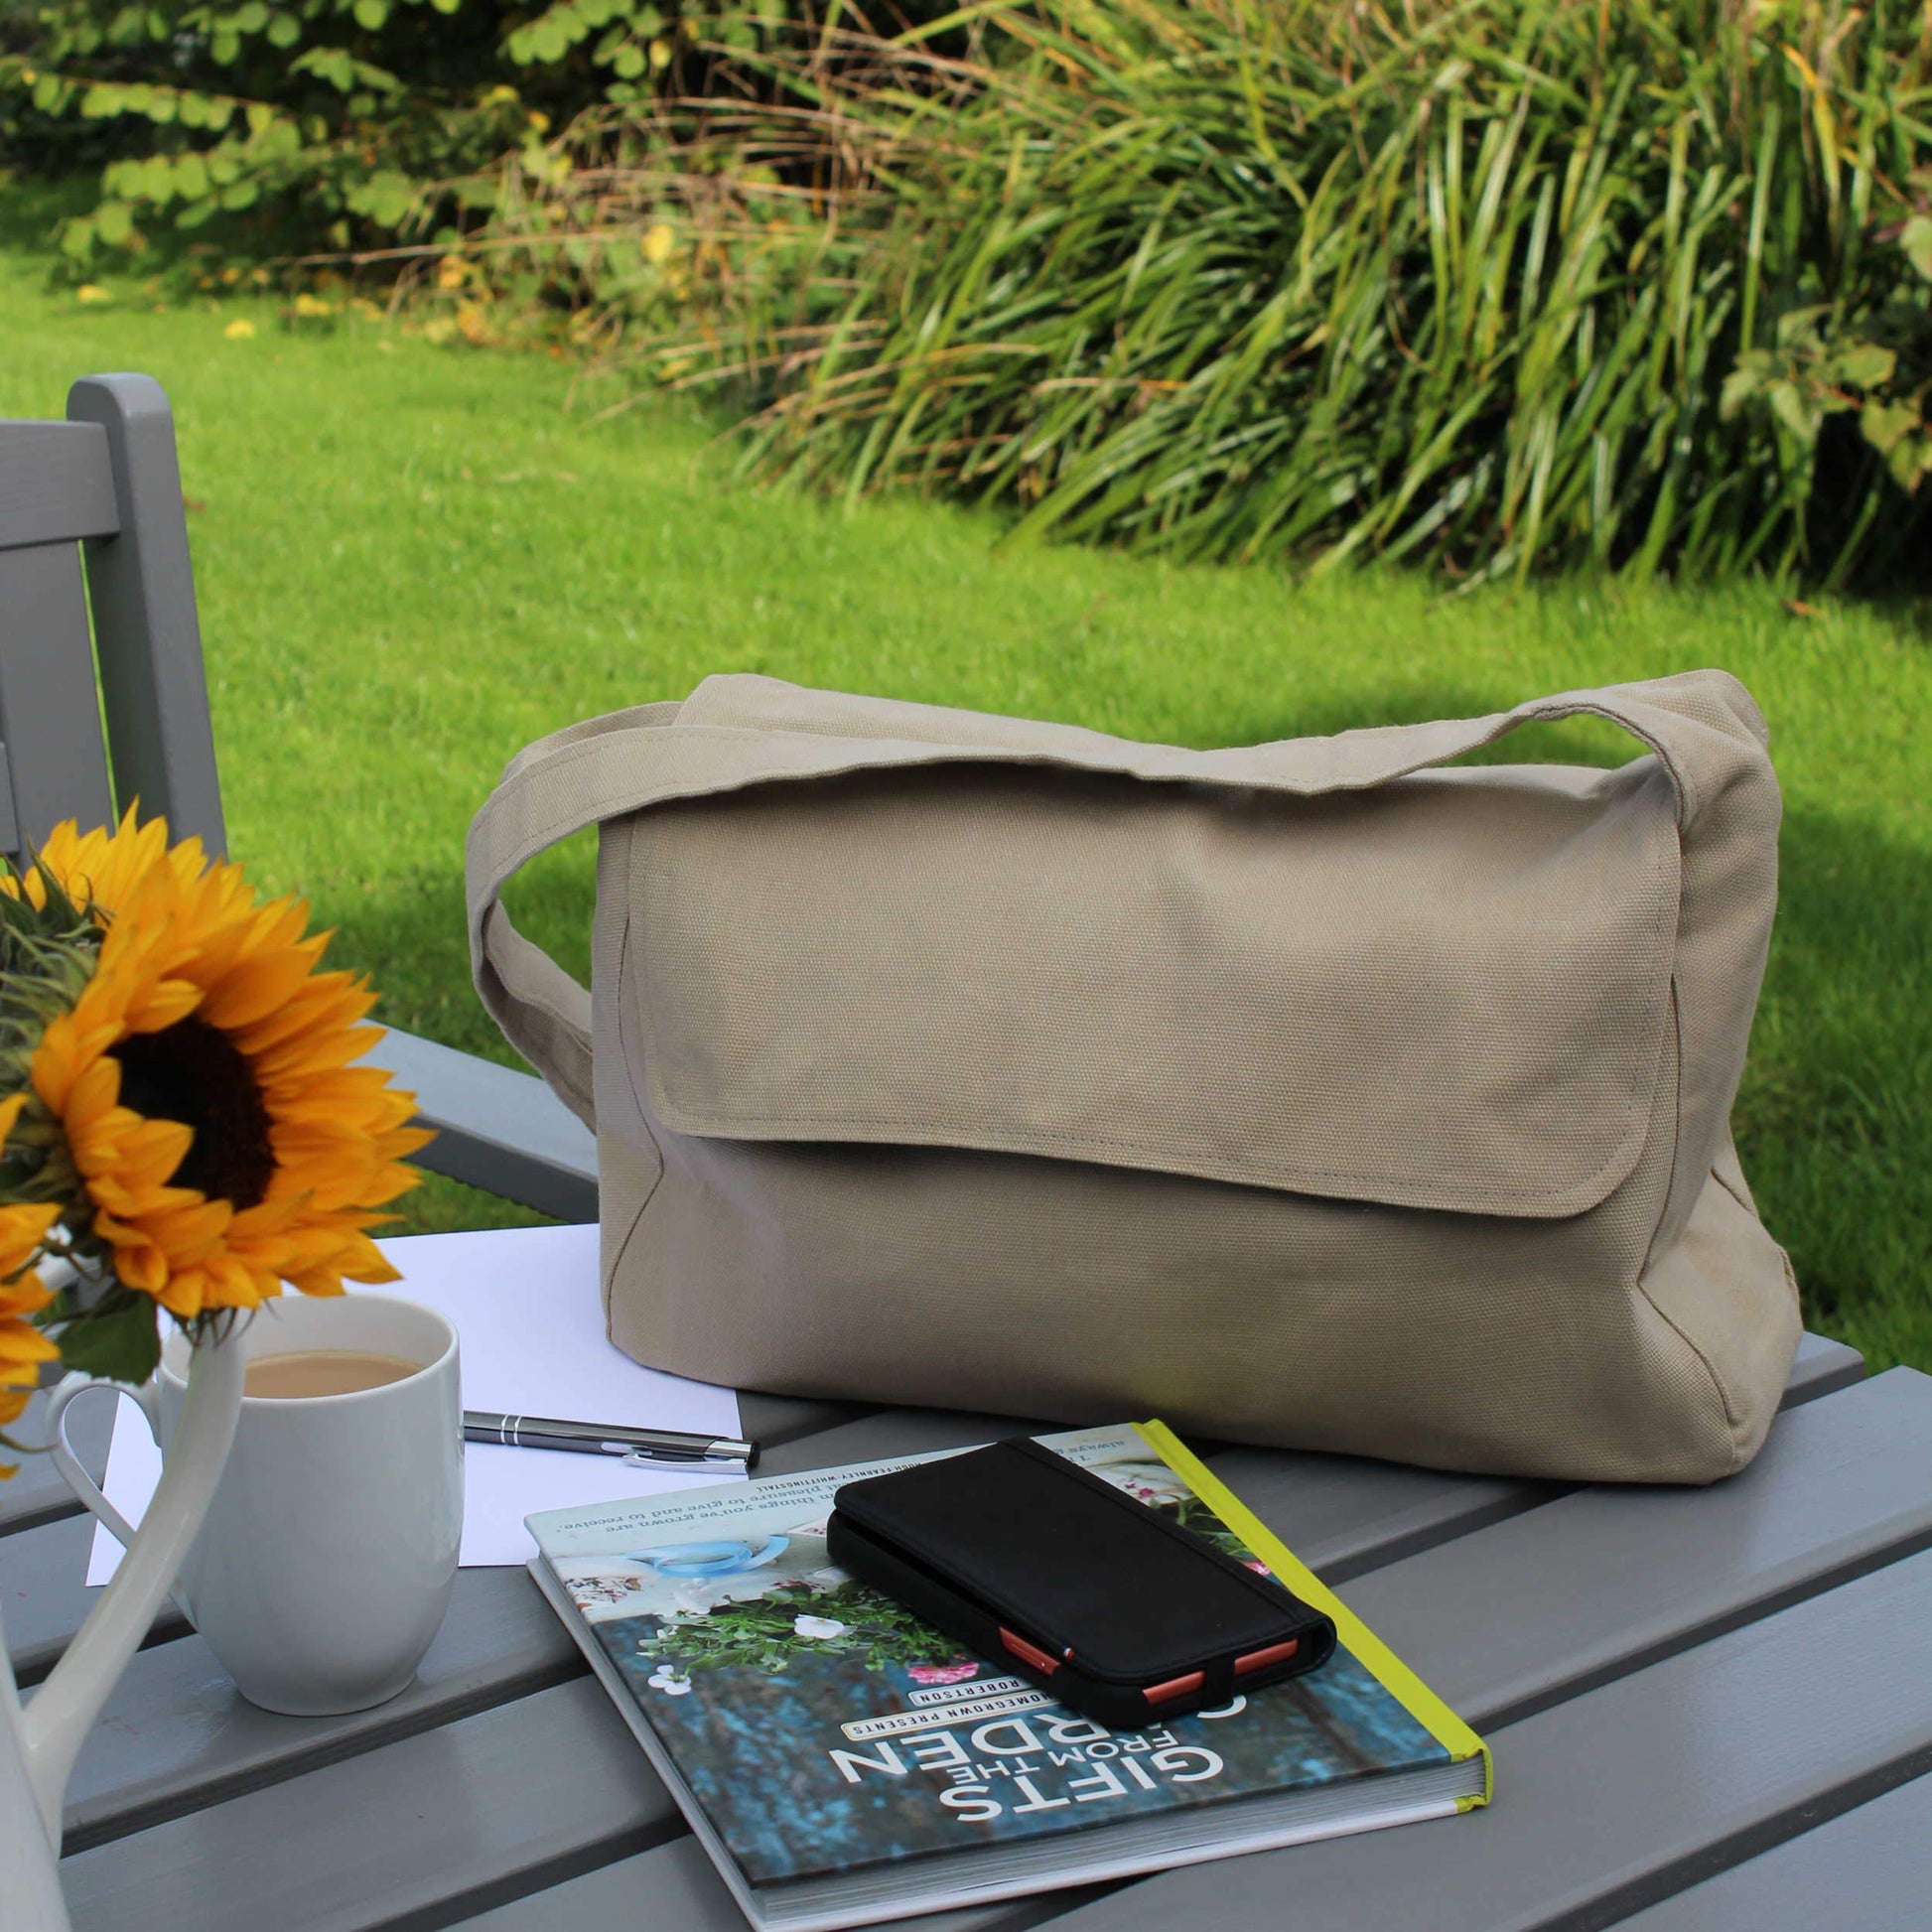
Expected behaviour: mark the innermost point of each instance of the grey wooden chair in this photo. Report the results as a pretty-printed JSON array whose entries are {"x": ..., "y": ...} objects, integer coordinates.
[{"x": 96, "y": 715}]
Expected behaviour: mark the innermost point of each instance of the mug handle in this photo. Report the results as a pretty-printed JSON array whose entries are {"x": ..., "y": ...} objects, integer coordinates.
[{"x": 147, "y": 1399}]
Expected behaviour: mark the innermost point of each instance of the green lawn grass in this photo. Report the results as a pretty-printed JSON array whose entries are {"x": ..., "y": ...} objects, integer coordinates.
[{"x": 413, "y": 560}]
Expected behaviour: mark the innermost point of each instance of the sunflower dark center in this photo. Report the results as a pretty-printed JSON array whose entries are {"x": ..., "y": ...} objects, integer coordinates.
[{"x": 194, "y": 1073}]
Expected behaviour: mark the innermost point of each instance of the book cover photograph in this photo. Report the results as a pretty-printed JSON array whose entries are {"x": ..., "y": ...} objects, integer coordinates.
[{"x": 822, "y": 1728}]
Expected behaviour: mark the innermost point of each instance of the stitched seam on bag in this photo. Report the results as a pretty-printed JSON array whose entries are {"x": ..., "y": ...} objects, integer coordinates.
[
  {"x": 630, "y": 1081},
  {"x": 1733, "y": 1419},
  {"x": 1748, "y": 1208},
  {"x": 1790, "y": 1276},
  {"x": 1784, "y": 1254},
  {"x": 630, "y": 1236},
  {"x": 1674, "y": 1036}
]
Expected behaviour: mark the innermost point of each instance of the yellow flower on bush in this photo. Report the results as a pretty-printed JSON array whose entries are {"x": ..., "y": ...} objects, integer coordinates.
[{"x": 205, "y": 1085}]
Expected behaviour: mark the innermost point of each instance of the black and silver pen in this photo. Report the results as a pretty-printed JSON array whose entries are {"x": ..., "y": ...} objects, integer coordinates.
[{"x": 670, "y": 1446}]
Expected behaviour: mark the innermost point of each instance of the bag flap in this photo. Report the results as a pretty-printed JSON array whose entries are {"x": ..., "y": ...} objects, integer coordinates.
[{"x": 1450, "y": 990}]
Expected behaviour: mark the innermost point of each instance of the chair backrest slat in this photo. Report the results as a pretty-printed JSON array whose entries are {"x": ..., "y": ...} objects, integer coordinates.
[
  {"x": 50, "y": 710},
  {"x": 149, "y": 639},
  {"x": 56, "y": 483},
  {"x": 105, "y": 478}
]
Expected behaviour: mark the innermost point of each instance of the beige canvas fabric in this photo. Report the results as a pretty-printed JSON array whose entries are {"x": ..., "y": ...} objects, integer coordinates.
[{"x": 1308, "y": 1094}]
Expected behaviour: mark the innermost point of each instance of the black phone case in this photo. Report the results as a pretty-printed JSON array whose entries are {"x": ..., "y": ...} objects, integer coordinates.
[{"x": 1047, "y": 1571}]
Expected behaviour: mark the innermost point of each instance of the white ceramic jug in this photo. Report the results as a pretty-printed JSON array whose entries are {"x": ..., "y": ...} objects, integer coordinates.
[{"x": 39, "y": 1742}]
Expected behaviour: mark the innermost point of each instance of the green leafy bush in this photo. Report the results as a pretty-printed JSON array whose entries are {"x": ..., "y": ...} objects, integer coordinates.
[
  {"x": 1506, "y": 284},
  {"x": 1824, "y": 364},
  {"x": 279, "y": 126}
]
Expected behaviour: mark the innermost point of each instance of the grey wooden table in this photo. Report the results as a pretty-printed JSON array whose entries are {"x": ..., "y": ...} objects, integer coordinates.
[{"x": 1711, "y": 1710}]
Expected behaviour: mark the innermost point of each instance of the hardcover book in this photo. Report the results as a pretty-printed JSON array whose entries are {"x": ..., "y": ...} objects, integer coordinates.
[{"x": 843, "y": 1763}]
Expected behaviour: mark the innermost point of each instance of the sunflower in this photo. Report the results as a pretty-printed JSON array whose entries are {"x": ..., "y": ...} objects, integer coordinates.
[
  {"x": 23, "y": 1349},
  {"x": 206, "y": 1087},
  {"x": 104, "y": 868}
]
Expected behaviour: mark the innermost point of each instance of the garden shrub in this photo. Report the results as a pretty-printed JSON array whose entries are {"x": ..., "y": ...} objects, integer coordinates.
[
  {"x": 1504, "y": 284},
  {"x": 275, "y": 127}
]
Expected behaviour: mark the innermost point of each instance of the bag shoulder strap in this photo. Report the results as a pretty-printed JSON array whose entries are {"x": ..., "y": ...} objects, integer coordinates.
[{"x": 1703, "y": 725}]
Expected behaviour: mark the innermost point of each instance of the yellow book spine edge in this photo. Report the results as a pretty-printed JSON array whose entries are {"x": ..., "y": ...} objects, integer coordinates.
[{"x": 1364, "y": 1645}]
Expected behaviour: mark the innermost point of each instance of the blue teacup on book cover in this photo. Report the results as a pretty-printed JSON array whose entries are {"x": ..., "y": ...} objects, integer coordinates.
[{"x": 822, "y": 1727}]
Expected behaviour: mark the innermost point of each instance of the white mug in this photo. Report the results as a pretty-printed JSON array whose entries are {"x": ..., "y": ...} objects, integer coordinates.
[{"x": 326, "y": 1561}]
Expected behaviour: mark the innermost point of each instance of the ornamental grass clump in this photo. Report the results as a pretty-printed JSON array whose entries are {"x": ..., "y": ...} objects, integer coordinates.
[
  {"x": 182, "y": 1121},
  {"x": 1498, "y": 284}
]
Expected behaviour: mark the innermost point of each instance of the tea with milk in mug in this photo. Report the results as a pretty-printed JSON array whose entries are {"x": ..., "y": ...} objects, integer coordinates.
[{"x": 324, "y": 1371}]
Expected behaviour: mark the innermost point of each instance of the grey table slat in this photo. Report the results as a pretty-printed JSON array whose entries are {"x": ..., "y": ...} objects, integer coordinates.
[
  {"x": 1613, "y": 1800},
  {"x": 524, "y": 1746},
  {"x": 549, "y": 1783},
  {"x": 1868, "y": 1870},
  {"x": 676, "y": 1889},
  {"x": 774, "y": 1420},
  {"x": 177, "y": 1735},
  {"x": 45, "y": 1600},
  {"x": 1355, "y": 1512},
  {"x": 35, "y": 1493},
  {"x": 1605, "y": 1576}
]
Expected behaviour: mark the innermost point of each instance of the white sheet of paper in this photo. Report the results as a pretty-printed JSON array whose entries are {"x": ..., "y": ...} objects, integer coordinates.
[{"x": 525, "y": 1304}]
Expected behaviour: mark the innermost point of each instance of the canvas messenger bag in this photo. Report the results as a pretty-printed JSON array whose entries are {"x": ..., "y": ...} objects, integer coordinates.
[{"x": 1311, "y": 1093}]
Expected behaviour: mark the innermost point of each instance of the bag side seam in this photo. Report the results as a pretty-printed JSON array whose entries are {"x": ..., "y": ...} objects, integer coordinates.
[
  {"x": 1734, "y": 1421},
  {"x": 650, "y": 1194}
]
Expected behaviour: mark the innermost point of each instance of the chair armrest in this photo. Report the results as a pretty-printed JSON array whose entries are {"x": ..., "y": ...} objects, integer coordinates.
[{"x": 495, "y": 1129}]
